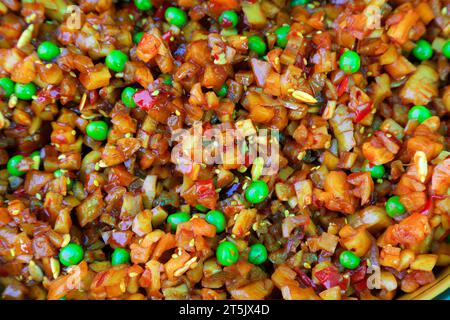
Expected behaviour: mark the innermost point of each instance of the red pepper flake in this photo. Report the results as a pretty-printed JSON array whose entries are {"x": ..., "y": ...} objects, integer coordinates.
[
  {"x": 361, "y": 114},
  {"x": 145, "y": 100},
  {"x": 342, "y": 86}
]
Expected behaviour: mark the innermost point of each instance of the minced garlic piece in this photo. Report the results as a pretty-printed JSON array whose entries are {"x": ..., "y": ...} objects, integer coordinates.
[{"x": 420, "y": 160}]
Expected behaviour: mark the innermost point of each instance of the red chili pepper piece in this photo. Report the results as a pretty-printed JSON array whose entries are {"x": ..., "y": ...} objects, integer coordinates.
[
  {"x": 226, "y": 23},
  {"x": 205, "y": 188},
  {"x": 206, "y": 193},
  {"x": 359, "y": 273},
  {"x": 166, "y": 36},
  {"x": 93, "y": 96},
  {"x": 427, "y": 207},
  {"x": 360, "y": 286},
  {"x": 159, "y": 14},
  {"x": 145, "y": 100},
  {"x": 429, "y": 204},
  {"x": 342, "y": 86},
  {"x": 304, "y": 279},
  {"x": 360, "y": 114},
  {"x": 329, "y": 277},
  {"x": 20, "y": 193}
]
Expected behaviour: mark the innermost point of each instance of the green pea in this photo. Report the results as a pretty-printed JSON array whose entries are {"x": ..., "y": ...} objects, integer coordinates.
[
  {"x": 127, "y": 97},
  {"x": 120, "y": 256},
  {"x": 419, "y": 113},
  {"x": 376, "y": 171},
  {"x": 36, "y": 156},
  {"x": 143, "y": 5},
  {"x": 222, "y": 92},
  {"x": 97, "y": 130},
  {"x": 295, "y": 3},
  {"x": 282, "y": 33},
  {"x": 394, "y": 207},
  {"x": 13, "y": 166},
  {"x": 176, "y": 16},
  {"x": 349, "y": 260},
  {"x": 48, "y": 51},
  {"x": 422, "y": 50},
  {"x": 177, "y": 218},
  {"x": 350, "y": 62},
  {"x": 115, "y": 60},
  {"x": 216, "y": 218},
  {"x": 257, "y": 192},
  {"x": 228, "y": 19},
  {"x": 63, "y": 298},
  {"x": 137, "y": 37},
  {"x": 257, "y": 254},
  {"x": 446, "y": 49},
  {"x": 25, "y": 91},
  {"x": 71, "y": 254},
  {"x": 7, "y": 86},
  {"x": 167, "y": 79},
  {"x": 257, "y": 45},
  {"x": 227, "y": 253}
]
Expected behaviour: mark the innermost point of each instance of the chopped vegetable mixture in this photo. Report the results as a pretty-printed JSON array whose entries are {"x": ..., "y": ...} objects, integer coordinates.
[{"x": 93, "y": 206}]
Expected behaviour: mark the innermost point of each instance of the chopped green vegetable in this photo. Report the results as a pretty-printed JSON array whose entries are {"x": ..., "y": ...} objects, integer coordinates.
[
  {"x": 115, "y": 60},
  {"x": 48, "y": 51},
  {"x": 71, "y": 254},
  {"x": 97, "y": 130},
  {"x": 216, "y": 218},
  {"x": 176, "y": 16},
  {"x": 394, "y": 207},
  {"x": 13, "y": 166},
  {"x": 257, "y": 192},
  {"x": 350, "y": 62},
  {"x": 120, "y": 256},
  {"x": 227, "y": 253},
  {"x": 7, "y": 86},
  {"x": 349, "y": 260},
  {"x": 257, "y": 254},
  {"x": 423, "y": 50}
]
